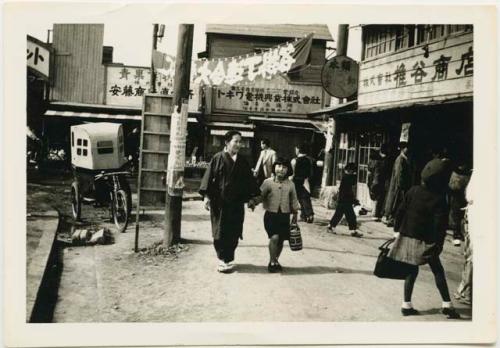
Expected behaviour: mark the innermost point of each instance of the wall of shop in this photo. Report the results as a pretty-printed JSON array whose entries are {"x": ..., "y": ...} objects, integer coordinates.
[{"x": 78, "y": 69}]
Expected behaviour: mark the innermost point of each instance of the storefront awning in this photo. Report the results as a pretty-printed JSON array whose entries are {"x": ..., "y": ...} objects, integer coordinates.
[
  {"x": 105, "y": 116},
  {"x": 351, "y": 105},
  {"x": 75, "y": 114},
  {"x": 244, "y": 134},
  {"x": 291, "y": 122},
  {"x": 413, "y": 104},
  {"x": 230, "y": 125}
]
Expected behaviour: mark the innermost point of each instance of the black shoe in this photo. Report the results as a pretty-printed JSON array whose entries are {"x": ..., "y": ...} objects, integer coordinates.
[
  {"x": 451, "y": 313},
  {"x": 409, "y": 311},
  {"x": 271, "y": 268},
  {"x": 278, "y": 267}
]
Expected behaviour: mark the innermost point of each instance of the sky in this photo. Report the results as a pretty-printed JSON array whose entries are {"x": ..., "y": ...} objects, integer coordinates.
[{"x": 134, "y": 47}]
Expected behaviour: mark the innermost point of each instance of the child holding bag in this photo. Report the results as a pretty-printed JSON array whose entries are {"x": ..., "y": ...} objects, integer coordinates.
[{"x": 279, "y": 200}]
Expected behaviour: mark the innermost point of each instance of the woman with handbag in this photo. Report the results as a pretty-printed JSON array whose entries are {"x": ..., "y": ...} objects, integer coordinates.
[
  {"x": 280, "y": 201},
  {"x": 421, "y": 222}
]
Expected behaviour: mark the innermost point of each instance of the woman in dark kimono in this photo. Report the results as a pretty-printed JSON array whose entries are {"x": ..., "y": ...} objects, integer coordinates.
[{"x": 227, "y": 185}]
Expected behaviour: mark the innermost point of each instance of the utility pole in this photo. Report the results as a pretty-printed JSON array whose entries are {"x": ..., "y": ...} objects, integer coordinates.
[
  {"x": 342, "y": 39},
  {"x": 153, "y": 74},
  {"x": 178, "y": 130}
]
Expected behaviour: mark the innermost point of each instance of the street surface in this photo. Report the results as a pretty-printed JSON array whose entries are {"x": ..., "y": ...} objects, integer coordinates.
[{"x": 329, "y": 280}]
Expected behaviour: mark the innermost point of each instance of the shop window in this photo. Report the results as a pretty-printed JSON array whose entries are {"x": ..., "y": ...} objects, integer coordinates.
[
  {"x": 426, "y": 33},
  {"x": 383, "y": 39},
  {"x": 104, "y": 147}
]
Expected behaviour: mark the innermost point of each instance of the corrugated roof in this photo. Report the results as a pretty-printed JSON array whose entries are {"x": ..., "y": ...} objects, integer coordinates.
[{"x": 320, "y": 31}]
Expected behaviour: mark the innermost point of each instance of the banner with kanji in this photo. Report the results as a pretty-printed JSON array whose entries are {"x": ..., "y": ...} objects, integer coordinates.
[{"x": 242, "y": 70}]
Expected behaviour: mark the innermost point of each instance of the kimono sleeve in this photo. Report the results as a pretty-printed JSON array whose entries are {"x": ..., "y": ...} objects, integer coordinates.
[
  {"x": 250, "y": 183},
  {"x": 207, "y": 180}
]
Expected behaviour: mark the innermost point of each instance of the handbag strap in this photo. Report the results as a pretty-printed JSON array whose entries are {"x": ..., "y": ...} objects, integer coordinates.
[{"x": 387, "y": 243}]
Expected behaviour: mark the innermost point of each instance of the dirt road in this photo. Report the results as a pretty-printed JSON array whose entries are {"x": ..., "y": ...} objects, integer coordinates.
[{"x": 329, "y": 280}]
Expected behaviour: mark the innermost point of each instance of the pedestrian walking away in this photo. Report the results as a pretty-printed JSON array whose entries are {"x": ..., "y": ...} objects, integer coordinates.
[
  {"x": 302, "y": 173},
  {"x": 345, "y": 201},
  {"x": 379, "y": 169},
  {"x": 399, "y": 184},
  {"x": 226, "y": 186},
  {"x": 421, "y": 222},
  {"x": 280, "y": 201},
  {"x": 264, "y": 167},
  {"x": 458, "y": 182}
]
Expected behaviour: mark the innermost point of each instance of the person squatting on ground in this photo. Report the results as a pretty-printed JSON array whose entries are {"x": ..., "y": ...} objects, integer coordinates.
[
  {"x": 400, "y": 183},
  {"x": 421, "y": 222},
  {"x": 345, "y": 201},
  {"x": 464, "y": 291},
  {"x": 280, "y": 201},
  {"x": 226, "y": 186},
  {"x": 302, "y": 170},
  {"x": 379, "y": 169},
  {"x": 264, "y": 167},
  {"x": 458, "y": 182}
]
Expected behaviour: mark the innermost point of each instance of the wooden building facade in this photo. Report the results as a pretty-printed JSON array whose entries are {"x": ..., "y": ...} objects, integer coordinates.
[
  {"x": 261, "y": 111},
  {"x": 415, "y": 85}
]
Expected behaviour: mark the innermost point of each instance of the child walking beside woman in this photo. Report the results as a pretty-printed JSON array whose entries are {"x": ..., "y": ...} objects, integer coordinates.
[{"x": 280, "y": 201}]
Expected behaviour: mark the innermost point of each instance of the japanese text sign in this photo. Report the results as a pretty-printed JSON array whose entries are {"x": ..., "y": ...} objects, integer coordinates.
[
  {"x": 447, "y": 71},
  {"x": 290, "y": 99},
  {"x": 126, "y": 85},
  {"x": 38, "y": 57},
  {"x": 339, "y": 76}
]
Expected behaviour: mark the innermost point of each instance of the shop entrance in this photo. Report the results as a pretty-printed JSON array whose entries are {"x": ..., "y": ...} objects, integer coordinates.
[{"x": 368, "y": 143}]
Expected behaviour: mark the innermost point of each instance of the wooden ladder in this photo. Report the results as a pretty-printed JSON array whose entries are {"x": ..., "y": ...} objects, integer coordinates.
[{"x": 155, "y": 146}]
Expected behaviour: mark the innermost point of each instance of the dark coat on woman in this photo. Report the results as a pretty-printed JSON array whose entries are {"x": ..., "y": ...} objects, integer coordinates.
[
  {"x": 228, "y": 184},
  {"x": 421, "y": 221},
  {"x": 380, "y": 171},
  {"x": 400, "y": 183}
]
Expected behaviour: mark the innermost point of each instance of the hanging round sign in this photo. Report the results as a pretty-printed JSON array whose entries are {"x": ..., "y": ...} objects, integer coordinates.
[{"x": 339, "y": 76}]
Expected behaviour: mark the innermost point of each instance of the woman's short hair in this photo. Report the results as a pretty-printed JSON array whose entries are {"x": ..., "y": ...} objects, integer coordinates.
[
  {"x": 302, "y": 147},
  {"x": 229, "y": 135},
  {"x": 282, "y": 161},
  {"x": 266, "y": 142}
]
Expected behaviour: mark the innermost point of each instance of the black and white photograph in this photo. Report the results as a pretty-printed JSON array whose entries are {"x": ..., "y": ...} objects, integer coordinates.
[{"x": 240, "y": 177}]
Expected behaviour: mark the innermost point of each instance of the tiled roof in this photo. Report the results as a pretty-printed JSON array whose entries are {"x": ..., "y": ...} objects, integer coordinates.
[{"x": 320, "y": 31}]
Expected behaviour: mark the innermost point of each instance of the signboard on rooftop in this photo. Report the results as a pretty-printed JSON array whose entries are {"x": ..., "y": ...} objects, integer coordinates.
[{"x": 126, "y": 86}]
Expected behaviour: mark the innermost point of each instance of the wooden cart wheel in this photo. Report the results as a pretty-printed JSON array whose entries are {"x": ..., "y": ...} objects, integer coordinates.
[
  {"x": 76, "y": 201},
  {"x": 120, "y": 210}
]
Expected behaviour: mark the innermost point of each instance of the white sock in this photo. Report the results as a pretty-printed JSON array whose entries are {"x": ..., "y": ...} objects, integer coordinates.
[
  {"x": 406, "y": 305},
  {"x": 446, "y": 304}
]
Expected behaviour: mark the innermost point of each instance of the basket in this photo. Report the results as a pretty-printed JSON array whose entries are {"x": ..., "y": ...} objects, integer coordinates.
[{"x": 295, "y": 240}]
